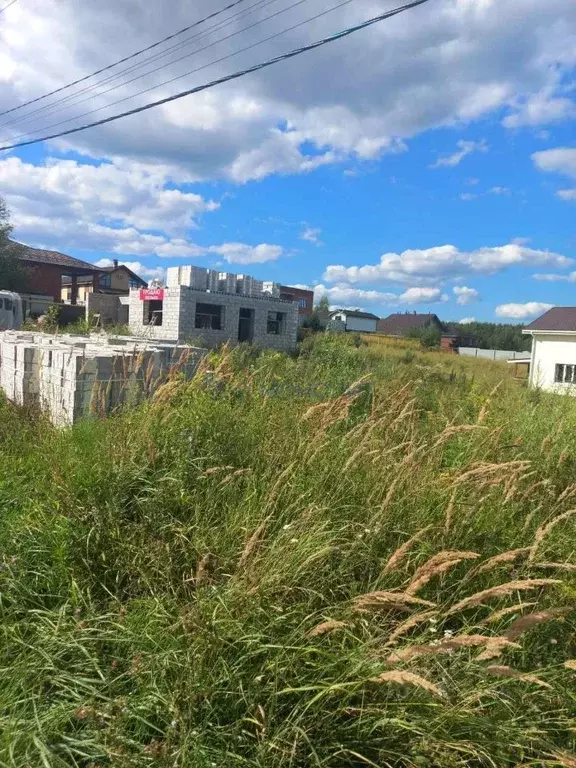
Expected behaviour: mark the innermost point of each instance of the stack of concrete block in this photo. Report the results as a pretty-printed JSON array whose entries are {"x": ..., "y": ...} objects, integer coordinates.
[
  {"x": 187, "y": 275},
  {"x": 76, "y": 377},
  {"x": 213, "y": 280},
  {"x": 227, "y": 282}
]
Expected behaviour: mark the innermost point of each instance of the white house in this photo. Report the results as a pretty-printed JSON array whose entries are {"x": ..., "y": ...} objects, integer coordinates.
[
  {"x": 553, "y": 358},
  {"x": 355, "y": 320}
]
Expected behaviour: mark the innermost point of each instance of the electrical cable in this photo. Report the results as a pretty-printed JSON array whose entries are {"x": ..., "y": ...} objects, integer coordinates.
[
  {"x": 7, "y": 6},
  {"x": 227, "y": 78},
  {"x": 50, "y": 108},
  {"x": 198, "y": 69},
  {"x": 121, "y": 61}
]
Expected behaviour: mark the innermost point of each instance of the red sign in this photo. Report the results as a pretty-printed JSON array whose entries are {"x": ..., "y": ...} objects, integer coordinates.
[{"x": 151, "y": 294}]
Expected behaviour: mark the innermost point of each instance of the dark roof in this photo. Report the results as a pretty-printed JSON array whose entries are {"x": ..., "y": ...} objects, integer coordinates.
[
  {"x": 356, "y": 313},
  {"x": 401, "y": 322},
  {"x": 556, "y": 319},
  {"x": 88, "y": 278},
  {"x": 40, "y": 256}
]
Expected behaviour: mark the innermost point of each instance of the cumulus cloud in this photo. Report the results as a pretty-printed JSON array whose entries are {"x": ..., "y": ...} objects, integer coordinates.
[
  {"x": 465, "y": 295},
  {"x": 467, "y": 320},
  {"x": 464, "y": 148},
  {"x": 423, "y": 296},
  {"x": 435, "y": 69},
  {"x": 540, "y": 108},
  {"x": 561, "y": 160},
  {"x": 312, "y": 235},
  {"x": 346, "y": 295},
  {"x": 240, "y": 253},
  {"x": 499, "y": 191},
  {"x": 522, "y": 311},
  {"x": 433, "y": 265}
]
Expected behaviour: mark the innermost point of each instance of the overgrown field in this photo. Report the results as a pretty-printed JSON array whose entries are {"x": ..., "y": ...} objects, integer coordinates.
[{"x": 359, "y": 557}]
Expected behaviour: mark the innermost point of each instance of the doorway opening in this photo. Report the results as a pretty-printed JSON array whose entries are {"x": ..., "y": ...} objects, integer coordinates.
[{"x": 246, "y": 325}]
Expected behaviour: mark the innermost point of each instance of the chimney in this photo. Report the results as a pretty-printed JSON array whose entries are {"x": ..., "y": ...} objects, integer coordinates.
[{"x": 115, "y": 263}]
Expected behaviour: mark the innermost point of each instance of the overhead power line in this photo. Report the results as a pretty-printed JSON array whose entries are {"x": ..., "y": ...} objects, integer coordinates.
[
  {"x": 197, "y": 69},
  {"x": 70, "y": 100},
  {"x": 7, "y": 6},
  {"x": 226, "y": 78},
  {"x": 125, "y": 59}
]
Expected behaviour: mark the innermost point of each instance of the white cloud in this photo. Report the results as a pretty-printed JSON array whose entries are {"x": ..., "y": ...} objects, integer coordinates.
[
  {"x": 499, "y": 191},
  {"x": 423, "y": 296},
  {"x": 312, "y": 235},
  {"x": 521, "y": 311},
  {"x": 433, "y": 265},
  {"x": 346, "y": 295},
  {"x": 555, "y": 277},
  {"x": 541, "y": 108},
  {"x": 147, "y": 273},
  {"x": 467, "y": 320},
  {"x": 239, "y": 253},
  {"x": 561, "y": 160},
  {"x": 435, "y": 69},
  {"x": 466, "y": 295},
  {"x": 464, "y": 148},
  {"x": 466, "y": 196}
]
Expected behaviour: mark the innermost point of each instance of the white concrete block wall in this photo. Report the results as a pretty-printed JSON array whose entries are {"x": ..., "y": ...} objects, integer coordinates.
[
  {"x": 549, "y": 350},
  {"x": 73, "y": 377}
]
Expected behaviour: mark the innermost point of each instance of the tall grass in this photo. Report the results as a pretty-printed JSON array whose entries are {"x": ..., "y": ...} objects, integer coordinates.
[{"x": 349, "y": 558}]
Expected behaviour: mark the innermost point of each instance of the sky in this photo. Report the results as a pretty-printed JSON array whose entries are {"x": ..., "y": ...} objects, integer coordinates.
[{"x": 427, "y": 163}]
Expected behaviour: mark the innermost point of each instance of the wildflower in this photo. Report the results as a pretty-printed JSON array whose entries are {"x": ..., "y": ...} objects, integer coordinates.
[
  {"x": 448, "y": 634},
  {"x": 553, "y": 641},
  {"x": 287, "y": 527},
  {"x": 293, "y": 541}
]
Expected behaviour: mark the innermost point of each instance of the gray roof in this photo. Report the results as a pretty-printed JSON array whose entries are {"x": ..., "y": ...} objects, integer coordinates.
[
  {"x": 356, "y": 313},
  {"x": 55, "y": 258},
  {"x": 556, "y": 319},
  {"x": 401, "y": 322}
]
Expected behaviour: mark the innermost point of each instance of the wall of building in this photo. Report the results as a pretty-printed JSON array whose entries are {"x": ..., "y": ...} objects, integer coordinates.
[
  {"x": 107, "y": 306},
  {"x": 547, "y": 352},
  {"x": 179, "y": 318},
  {"x": 360, "y": 324},
  {"x": 45, "y": 279},
  {"x": 301, "y": 296}
]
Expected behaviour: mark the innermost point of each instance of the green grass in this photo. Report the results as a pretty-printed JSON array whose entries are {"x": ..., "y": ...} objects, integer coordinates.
[{"x": 162, "y": 572}]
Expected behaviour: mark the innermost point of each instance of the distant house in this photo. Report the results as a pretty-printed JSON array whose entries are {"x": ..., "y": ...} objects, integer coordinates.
[
  {"x": 355, "y": 320},
  {"x": 303, "y": 296},
  {"x": 403, "y": 323},
  {"x": 47, "y": 269},
  {"x": 451, "y": 339},
  {"x": 116, "y": 280},
  {"x": 553, "y": 357}
]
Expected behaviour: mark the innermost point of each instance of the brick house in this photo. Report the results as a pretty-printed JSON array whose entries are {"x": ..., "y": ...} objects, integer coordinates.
[
  {"x": 303, "y": 296},
  {"x": 46, "y": 269}
]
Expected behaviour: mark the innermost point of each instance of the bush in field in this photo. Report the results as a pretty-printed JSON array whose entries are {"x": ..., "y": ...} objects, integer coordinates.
[{"x": 335, "y": 560}]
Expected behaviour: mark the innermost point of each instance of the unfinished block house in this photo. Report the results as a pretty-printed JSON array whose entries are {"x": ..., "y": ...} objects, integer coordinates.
[{"x": 214, "y": 308}]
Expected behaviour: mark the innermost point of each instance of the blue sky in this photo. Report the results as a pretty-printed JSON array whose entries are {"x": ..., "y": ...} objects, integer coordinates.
[{"x": 351, "y": 170}]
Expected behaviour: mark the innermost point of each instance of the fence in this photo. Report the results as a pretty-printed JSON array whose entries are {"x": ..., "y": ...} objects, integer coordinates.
[{"x": 492, "y": 354}]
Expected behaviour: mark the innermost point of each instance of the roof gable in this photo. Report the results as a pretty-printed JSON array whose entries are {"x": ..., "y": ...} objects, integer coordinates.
[
  {"x": 402, "y": 322},
  {"x": 40, "y": 256},
  {"x": 356, "y": 313}
]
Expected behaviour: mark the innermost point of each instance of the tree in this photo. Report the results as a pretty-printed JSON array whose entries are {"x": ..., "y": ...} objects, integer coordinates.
[
  {"x": 428, "y": 335},
  {"x": 323, "y": 305},
  {"x": 13, "y": 274}
]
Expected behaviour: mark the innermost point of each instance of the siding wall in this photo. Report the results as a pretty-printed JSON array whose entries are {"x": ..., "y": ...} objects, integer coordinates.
[{"x": 547, "y": 351}]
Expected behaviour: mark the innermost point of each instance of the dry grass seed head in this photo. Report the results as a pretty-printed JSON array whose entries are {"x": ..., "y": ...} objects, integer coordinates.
[
  {"x": 503, "y": 671},
  {"x": 436, "y": 565},
  {"x": 450, "y": 431},
  {"x": 202, "y": 571},
  {"x": 399, "y": 555},
  {"x": 408, "y": 624},
  {"x": 326, "y": 627},
  {"x": 500, "y": 591},
  {"x": 495, "y": 647},
  {"x": 388, "y": 600},
  {"x": 250, "y": 546},
  {"x": 503, "y": 557},
  {"x": 570, "y": 664},
  {"x": 503, "y": 612},
  {"x": 524, "y": 623},
  {"x": 408, "y": 678},
  {"x": 545, "y": 529}
]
